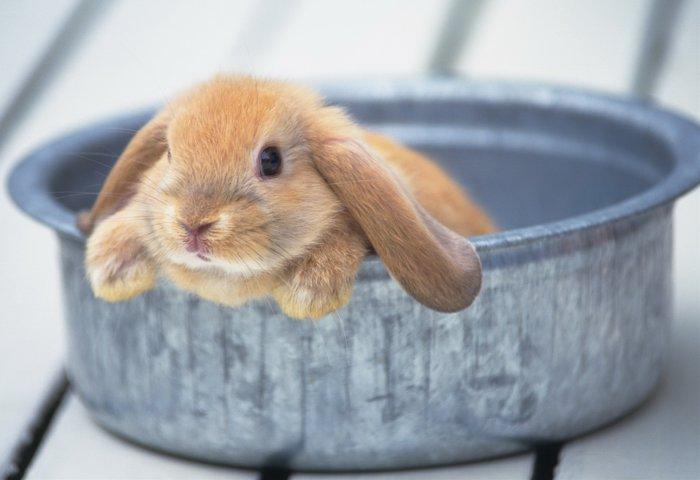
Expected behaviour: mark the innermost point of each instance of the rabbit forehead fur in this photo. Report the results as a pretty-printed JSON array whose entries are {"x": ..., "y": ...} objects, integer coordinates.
[{"x": 217, "y": 127}]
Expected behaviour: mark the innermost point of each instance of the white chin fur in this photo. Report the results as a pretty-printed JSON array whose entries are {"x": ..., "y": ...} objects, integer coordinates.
[{"x": 241, "y": 269}]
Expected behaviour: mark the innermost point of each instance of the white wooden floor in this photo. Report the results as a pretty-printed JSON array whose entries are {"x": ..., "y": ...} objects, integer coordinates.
[
  {"x": 73, "y": 434},
  {"x": 132, "y": 53}
]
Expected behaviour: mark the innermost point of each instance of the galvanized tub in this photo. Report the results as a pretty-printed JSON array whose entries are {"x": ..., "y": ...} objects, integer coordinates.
[{"x": 569, "y": 333}]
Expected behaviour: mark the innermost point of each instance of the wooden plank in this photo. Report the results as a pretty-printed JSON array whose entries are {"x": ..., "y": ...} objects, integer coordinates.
[
  {"x": 24, "y": 37},
  {"x": 373, "y": 39},
  {"x": 30, "y": 333},
  {"x": 514, "y": 468},
  {"x": 587, "y": 44},
  {"x": 76, "y": 448},
  {"x": 140, "y": 54},
  {"x": 679, "y": 88}
]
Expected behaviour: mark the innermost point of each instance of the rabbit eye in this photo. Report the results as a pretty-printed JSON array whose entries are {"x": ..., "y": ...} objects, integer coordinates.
[{"x": 270, "y": 161}]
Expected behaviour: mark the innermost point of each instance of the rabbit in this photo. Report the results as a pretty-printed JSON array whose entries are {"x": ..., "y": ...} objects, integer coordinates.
[{"x": 243, "y": 188}]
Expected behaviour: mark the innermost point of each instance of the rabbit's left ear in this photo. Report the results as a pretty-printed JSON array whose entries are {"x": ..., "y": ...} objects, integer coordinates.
[
  {"x": 147, "y": 146},
  {"x": 436, "y": 266}
]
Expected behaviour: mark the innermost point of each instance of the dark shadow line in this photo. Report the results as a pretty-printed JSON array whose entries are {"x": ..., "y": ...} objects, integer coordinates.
[
  {"x": 546, "y": 460},
  {"x": 454, "y": 35},
  {"x": 274, "y": 473},
  {"x": 62, "y": 45},
  {"x": 33, "y": 435},
  {"x": 659, "y": 29}
]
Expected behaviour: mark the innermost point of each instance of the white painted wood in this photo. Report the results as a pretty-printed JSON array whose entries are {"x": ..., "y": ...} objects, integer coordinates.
[
  {"x": 587, "y": 44},
  {"x": 31, "y": 340},
  {"x": 76, "y": 448},
  {"x": 662, "y": 440},
  {"x": 680, "y": 90},
  {"x": 513, "y": 468},
  {"x": 30, "y": 322},
  {"x": 31, "y": 332},
  {"x": 26, "y": 31},
  {"x": 141, "y": 53},
  {"x": 343, "y": 39}
]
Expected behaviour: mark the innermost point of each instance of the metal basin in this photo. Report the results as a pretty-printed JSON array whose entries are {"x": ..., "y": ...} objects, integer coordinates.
[{"x": 569, "y": 333}]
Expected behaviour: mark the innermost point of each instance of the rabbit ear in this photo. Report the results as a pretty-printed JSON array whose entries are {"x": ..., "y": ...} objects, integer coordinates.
[
  {"x": 141, "y": 153},
  {"x": 436, "y": 266}
]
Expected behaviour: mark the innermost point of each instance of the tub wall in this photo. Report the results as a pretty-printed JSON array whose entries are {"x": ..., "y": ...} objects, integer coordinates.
[{"x": 567, "y": 335}]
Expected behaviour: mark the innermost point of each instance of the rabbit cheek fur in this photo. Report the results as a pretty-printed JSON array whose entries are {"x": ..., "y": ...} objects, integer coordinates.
[{"x": 291, "y": 236}]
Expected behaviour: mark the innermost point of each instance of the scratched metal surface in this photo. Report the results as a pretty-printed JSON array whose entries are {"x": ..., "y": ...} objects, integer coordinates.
[{"x": 569, "y": 332}]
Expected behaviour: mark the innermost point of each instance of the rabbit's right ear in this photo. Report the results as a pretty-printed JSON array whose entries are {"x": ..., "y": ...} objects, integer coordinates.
[{"x": 147, "y": 146}]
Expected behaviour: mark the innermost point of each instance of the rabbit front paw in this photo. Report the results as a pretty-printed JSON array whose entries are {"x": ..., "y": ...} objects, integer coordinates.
[
  {"x": 307, "y": 295},
  {"x": 118, "y": 268}
]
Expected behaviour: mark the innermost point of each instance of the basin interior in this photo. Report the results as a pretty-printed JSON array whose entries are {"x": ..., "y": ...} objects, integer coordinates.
[{"x": 525, "y": 164}]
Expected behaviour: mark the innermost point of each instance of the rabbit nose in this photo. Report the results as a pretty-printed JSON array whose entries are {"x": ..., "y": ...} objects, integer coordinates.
[
  {"x": 193, "y": 242},
  {"x": 196, "y": 229}
]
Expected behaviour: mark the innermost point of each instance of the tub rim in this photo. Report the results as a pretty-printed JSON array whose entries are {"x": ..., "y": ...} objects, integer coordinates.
[{"x": 29, "y": 182}]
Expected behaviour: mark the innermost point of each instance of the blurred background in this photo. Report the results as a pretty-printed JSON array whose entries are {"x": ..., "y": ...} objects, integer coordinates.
[{"x": 67, "y": 62}]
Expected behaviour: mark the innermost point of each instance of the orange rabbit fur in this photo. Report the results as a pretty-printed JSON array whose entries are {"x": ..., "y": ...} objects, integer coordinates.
[{"x": 189, "y": 199}]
